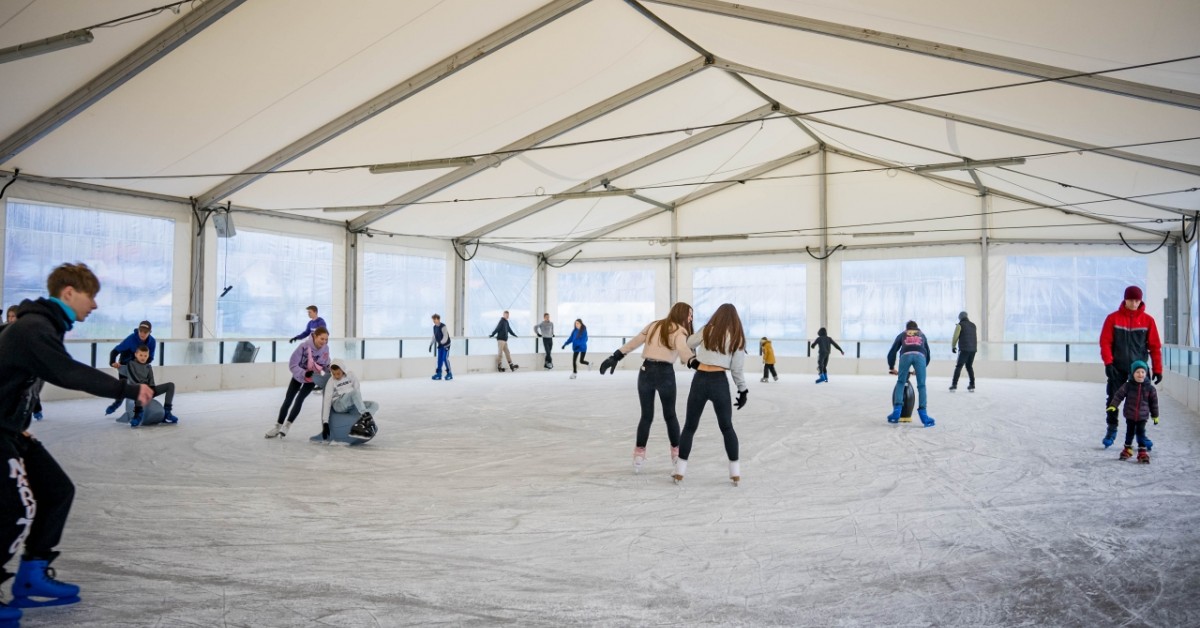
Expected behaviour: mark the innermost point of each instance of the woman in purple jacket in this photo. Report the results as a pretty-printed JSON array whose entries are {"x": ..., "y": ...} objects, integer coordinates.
[{"x": 309, "y": 359}]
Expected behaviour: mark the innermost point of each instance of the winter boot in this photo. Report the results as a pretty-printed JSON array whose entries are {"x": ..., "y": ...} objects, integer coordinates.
[
  {"x": 437, "y": 376},
  {"x": 168, "y": 417},
  {"x": 136, "y": 419},
  {"x": 735, "y": 473},
  {"x": 894, "y": 417},
  {"x": 1126, "y": 453},
  {"x": 680, "y": 470},
  {"x": 113, "y": 408},
  {"x": 1109, "y": 436},
  {"x": 639, "y": 458},
  {"x": 449, "y": 376},
  {"x": 1143, "y": 455},
  {"x": 283, "y": 429},
  {"x": 926, "y": 420},
  {"x": 35, "y": 579},
  {"x": 674, "y": 455},
  {"x": 275, "y": 429}
]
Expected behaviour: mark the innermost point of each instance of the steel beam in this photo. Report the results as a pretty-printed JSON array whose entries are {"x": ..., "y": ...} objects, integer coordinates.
[
  {"x": 116, "y": 75},
  {"x": 597, "y": 110},
  {"x": 397, "y": 94},
  {"x": 945, "y": 115},
  {"x": 946, "y": 52}
]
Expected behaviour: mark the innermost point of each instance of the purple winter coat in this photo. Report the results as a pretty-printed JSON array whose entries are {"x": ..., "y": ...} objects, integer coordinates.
[{"x": 1141, "y": 400}]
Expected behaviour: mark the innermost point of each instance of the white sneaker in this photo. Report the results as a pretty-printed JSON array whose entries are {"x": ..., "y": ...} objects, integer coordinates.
[
  {"x": 284, "y": 428},
  {"x": 274, "y": 431}
]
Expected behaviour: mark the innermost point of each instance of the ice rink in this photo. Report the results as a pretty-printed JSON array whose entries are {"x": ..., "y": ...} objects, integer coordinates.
[{"x": 509, "y": 498}]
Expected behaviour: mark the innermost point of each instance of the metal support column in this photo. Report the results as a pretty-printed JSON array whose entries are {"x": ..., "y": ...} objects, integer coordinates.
[
  {"x": 196, "y": 289},
  {"x": 823, "y": 210},
  {"x": 673, "y": 280},
  {"x": 541, "y": 293},
  {"x": 1171, "y": 318},
  {"x": 985, "y": 203},
  {"x": 460, "y": 292},
  {"x": 351, "y": 322}
]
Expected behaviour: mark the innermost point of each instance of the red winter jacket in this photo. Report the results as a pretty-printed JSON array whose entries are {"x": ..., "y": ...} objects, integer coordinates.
[{"x": 1130, "y": 335}]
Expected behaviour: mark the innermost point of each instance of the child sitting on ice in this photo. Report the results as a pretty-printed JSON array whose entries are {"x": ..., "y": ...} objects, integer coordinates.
[
  {"x": 1141, "y": 402},
  {"x": 139, "y": 371},
  {"x": 342, "y": 394}
]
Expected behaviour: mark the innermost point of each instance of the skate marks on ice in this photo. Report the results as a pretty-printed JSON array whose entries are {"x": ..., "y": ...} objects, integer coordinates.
[{"x": 495, "y": 503}]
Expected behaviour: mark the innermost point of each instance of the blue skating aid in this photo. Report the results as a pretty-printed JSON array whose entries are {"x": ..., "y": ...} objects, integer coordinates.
[
  {"x": 340, "y": 424},
  {"x": 151, "y": 415}
]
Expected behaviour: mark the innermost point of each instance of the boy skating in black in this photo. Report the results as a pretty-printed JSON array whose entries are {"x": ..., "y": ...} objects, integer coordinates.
[
  {"x": 35, "y": 494},
  {"x": 1141, "y": 403},
  {"x": 965, "y": 342},
  {"x": 140, "y": 371},
  {"x": 823, "y": 344}
]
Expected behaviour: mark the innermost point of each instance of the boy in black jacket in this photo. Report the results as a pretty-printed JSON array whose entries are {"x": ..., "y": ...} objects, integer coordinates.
[{"x": 35, "y": 493}]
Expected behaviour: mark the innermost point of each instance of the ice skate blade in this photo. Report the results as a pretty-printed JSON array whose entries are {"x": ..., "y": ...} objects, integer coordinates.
[
  {"x": 906, "y": 419},
  {"x": 28, "y": 602}
]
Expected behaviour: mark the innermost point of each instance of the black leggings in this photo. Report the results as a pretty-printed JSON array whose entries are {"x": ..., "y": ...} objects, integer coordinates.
[
  {"x": 581, "y": 357},
  {"x": 35, "y": 498},
  {"x": 709, "y": 386},
  {"x": 294, "y": 387},
  {"x": 657, "y": 377},
  {"x": 822, "y": 362},
  {"x": 769, "y": 368}
]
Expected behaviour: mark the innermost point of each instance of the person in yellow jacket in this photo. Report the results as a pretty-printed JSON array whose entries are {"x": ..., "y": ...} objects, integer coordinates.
[{"x": 768, "y": 358}]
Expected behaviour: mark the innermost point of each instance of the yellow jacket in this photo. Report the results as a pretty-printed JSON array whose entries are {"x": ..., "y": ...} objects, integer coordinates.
[{"x": 768, "y": 353}]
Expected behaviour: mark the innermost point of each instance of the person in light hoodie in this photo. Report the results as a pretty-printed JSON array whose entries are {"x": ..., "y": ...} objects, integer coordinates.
[
  {"x": 343, "y": 395},
  {"x": 310, "y": 359}
]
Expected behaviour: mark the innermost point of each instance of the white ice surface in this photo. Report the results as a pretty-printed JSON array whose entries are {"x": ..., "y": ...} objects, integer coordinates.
[{"x": 509, "y": 498}]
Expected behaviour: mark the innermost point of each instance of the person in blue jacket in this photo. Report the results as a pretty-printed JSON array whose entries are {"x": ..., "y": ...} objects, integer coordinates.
[
  {"x": 578, "y": 342},
  {"x": 314, "y": 323},
  {"x": 122, "y": 354},
  {"x": 441, "y": 344},
  {"x": 913, "y": 349}
]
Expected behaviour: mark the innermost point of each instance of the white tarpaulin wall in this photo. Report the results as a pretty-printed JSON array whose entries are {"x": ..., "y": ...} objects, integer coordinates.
[{"x": 760, "y": 119}]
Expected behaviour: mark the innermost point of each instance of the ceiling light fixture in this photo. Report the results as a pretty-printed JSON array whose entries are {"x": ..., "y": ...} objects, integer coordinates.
[
  {"x": 424, "y": 164},
  {"x": 969, "y": 164},
  {"x": 564, "y": 196},
  {"x": 43, "y": 46},
  {"x": 883, "y": 234}
]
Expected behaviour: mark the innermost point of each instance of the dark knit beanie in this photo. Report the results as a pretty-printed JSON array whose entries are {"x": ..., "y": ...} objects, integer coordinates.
[{"x": 1133, "y": 292}]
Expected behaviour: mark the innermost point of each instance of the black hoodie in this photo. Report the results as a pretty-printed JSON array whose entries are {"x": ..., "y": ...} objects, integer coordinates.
[{"x": 31, "y": 351}]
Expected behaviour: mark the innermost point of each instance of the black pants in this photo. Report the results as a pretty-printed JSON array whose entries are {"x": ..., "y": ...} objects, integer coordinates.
[
  {"x": 1135, "y": 428},
  {"x": 709, "y": 386},
  {"x": 35, "y": 499},
  {"x": 581, "y": 358},
  {"x": 967, "y": 359},
  {"x": 769, "y": 368},
  {"x": 548, "y": 344},
  {"x": 1119, "y": 377},
  {"x": 293, "y": 388},
  {"x": 657, "y": 377},
  {"x": 822, "y": 362},
  {"x": 167, "y": 389}
]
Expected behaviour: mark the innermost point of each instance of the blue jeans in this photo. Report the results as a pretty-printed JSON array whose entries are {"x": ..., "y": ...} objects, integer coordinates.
[
  {"x": 915, "y": 361},
  {"x": 350, "y": 401},
  {"x": 443, "y": 359}
]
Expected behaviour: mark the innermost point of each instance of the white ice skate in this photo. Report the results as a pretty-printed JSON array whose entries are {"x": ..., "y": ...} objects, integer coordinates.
[
  {"x": 639, "y": 458},
  {"x": 680, "y": 469},
  {"x": 572, "y": 376},
  {"x": 274, "y": 431},
  {"x": 284, "y": 428},
  {"x": 735, "y": 473}
]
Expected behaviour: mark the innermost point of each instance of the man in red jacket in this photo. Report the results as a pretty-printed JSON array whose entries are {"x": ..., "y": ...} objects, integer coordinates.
[{"x": 1129, "y": 334}]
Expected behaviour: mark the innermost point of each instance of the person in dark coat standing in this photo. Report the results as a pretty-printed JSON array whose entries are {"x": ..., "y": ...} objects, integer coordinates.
[
  {"x": 35, "y": 493},
  {"x": 501, "y": 333},
  {"x": 965, "y": 343}
]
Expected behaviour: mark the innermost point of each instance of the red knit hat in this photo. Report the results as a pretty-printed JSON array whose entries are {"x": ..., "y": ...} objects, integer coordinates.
[{"x": 1133, "y": 292}]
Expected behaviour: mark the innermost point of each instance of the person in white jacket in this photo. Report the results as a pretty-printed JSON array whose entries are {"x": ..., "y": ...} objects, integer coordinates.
[{"x": 342, "y": 394}]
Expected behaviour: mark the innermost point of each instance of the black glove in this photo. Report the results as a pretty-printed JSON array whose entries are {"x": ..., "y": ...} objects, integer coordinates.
[
  {"x": 308, "y": 374},
  {"x": 325, "y": 432},
  {"x": 610, "y": 363},
  {"x": 1158, "y": 378},
  {"x": 1110, "y": 371},
  {"x": 291, "y": 340},
  {"x": 694, "y": 363},
  {"x": 742, "y": 398},
  {"x": 953, "y": 349}
]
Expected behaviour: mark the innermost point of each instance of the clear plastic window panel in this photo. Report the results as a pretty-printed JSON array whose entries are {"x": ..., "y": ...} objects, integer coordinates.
[
  {"x": 401, "y": 293},
  {"x": 1193, "y": 338},
  {"x": 610, "y": 303},
  {"x": 274, "y": 278},
  {"x": 770, "y": 299},
  {"x": 880, "y": 296},
  {"x": 1065, "y": 299},
  {"x": 492, "y": 288},
  {"x": 130, "y": 254}
]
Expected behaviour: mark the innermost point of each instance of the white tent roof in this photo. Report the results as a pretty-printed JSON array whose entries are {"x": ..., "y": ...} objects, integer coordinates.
[{"x": 208, "y": 100}]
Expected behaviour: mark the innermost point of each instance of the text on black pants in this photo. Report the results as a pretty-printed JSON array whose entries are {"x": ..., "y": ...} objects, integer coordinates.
[{"x": 35, "y": 499}]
